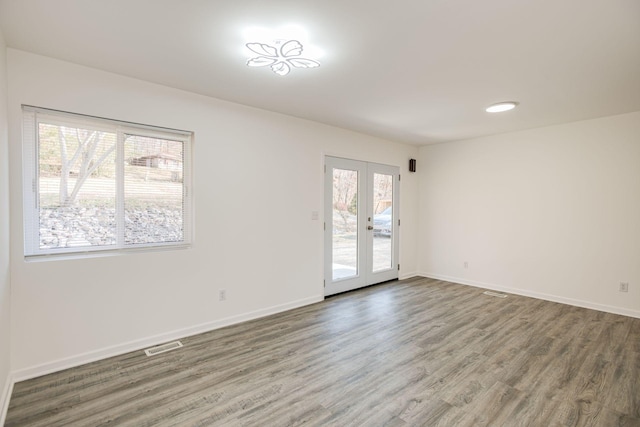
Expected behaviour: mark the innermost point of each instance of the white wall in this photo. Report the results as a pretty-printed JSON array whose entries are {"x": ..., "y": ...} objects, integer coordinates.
[
  {"x": 258, "y": 177},
  {"x": 551, "y": 212},
  {"x": 5, "y": 289}
]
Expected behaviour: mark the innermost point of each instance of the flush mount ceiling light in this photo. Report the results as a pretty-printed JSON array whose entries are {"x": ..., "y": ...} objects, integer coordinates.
[
  {"x": 501, "y": 106},
  {"x": 283, "y": 55},
  {"x": 280, "y": 48}
]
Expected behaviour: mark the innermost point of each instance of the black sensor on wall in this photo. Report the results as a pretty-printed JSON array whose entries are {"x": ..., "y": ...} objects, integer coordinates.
[{"x": 412, "y": 165}]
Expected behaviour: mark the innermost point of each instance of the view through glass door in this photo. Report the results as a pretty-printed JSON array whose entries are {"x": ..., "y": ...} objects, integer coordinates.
[{"x": 361, "y": 224}]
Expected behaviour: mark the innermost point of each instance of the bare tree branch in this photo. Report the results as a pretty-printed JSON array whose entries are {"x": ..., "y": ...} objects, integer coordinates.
[
  {"x": 87, "y": 168},
  {"x": 64, "y": 167},
  {"x": 89, "y": 143}
]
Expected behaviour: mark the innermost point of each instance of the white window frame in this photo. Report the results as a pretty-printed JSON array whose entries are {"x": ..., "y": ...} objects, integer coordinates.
[{"x": 32, "y": 117}]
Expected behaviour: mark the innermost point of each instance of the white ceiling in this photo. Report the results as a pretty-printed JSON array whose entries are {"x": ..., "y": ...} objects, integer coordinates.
[{"x": 415, "y": 71}]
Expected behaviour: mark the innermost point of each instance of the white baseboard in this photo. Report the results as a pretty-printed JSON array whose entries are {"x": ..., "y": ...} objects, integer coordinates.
[
  {"x": 404, "y": 276},
  {"x": 92, "y": 356},
  {"x": 547, "y": 297},
  {"x": 5, "y": 397}
]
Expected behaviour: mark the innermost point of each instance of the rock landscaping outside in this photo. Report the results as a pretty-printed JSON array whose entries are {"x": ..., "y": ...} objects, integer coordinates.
[{"x": 96, "y": 226}]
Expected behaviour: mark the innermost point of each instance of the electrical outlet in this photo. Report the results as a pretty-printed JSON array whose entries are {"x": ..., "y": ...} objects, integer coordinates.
[
  {"x": 624, "y": 287},
  {"x": 466, "y": 264},
  {"x": 222, "y": 295}
]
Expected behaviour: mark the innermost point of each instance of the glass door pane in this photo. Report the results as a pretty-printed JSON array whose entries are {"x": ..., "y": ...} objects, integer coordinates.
[
  {"x": 383, "y": 218},
  {"x": 345, "y": 224}
]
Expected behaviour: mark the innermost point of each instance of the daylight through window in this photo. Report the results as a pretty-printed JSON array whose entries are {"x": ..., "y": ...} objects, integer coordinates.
[{"x": 95, "y": 184}]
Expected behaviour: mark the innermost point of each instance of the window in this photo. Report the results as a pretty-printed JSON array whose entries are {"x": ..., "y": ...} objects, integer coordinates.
[{"x": 97, "y": 185}]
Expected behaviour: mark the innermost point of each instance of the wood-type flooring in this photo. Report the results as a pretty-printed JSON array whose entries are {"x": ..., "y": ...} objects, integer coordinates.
[{"x": 418, "y": 352}]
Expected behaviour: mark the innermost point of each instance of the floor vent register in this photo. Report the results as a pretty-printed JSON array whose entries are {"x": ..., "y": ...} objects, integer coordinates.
[{"x": 163, "y": 348}]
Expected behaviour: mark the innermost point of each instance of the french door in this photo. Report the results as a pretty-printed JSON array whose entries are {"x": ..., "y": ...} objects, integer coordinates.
[{"x": 361, "y": 224}]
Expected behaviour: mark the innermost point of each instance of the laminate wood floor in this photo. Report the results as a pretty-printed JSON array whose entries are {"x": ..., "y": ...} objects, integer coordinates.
[{"x": 418, "y": 352}]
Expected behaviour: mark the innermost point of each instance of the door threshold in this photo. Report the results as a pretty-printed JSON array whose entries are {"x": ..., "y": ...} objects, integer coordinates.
[{"x": 362, "y": 288}]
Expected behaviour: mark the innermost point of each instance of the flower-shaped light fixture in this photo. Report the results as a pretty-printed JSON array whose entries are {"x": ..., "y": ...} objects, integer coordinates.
[{"x": 281, "y": 57}]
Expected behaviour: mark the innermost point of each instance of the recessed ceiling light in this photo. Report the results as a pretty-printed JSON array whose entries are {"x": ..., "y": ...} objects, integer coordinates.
[{"x": 501, "y": 106}]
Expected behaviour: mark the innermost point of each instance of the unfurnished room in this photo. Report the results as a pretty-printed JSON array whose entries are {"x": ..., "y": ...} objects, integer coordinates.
[{"x": 336, "y": 213}]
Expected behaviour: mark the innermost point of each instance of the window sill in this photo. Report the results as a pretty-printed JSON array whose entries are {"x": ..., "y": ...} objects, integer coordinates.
[{"x": 103, "y": 253}]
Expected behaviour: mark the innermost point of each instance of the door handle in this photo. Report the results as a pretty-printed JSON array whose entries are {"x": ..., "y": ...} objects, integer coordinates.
[{"x": 370, "y": 227}]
